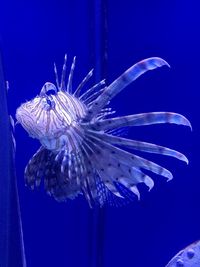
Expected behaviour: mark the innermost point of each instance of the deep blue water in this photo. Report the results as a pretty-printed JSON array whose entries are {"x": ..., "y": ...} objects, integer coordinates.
[{"x": 34, "y": 34}]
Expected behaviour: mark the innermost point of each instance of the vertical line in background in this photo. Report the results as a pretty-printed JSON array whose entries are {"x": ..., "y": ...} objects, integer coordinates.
[
  {"x": 98, "y": 58},
  {"x": 100, "y": 39},
  {"x": 11, "y": 238}
]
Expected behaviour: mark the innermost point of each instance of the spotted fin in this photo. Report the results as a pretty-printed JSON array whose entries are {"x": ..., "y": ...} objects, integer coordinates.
[
  {"x": 128, "y": 159},
  {"x": 139, "y": 146},
  {"x": 45, "y": 166},
  {"x": 115, "y": 167}
]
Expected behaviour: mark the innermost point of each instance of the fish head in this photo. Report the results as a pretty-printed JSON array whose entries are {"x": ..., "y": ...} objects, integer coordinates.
[{"x": 35, "y": 115}]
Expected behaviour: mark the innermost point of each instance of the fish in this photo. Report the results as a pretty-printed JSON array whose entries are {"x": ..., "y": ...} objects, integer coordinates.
[
  {"x": 188, "y": 257},
  {"x": 80, "y": 152}
]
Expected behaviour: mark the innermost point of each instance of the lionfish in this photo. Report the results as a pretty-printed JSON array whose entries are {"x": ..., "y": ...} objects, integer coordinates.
[{"x": 80, "y": 151}]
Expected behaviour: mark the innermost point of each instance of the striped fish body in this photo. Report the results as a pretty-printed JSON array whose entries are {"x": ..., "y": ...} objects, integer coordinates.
[{"x": 79, "y": 153}]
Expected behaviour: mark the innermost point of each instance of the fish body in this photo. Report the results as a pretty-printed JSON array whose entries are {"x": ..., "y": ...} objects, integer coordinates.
[
  {"x": 188, "y": 257},
  {"x": 80, "y": 153}
]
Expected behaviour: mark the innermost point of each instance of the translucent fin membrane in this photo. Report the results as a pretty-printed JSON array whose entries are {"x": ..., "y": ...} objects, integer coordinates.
[{"x": 140, "y": 146}]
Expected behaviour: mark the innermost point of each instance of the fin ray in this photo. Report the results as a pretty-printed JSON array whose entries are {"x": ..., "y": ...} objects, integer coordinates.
[
  {"x": 140, "y": 120},
  {"x": 140, "y": 146},
  {"x": 124, "y": 80}
]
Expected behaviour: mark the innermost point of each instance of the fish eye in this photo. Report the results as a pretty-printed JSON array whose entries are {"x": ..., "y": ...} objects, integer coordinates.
[
  {"x": 48, "y": 89},
  {"x": 50, "y": 92},
  {"x": 48, "y": 102}
]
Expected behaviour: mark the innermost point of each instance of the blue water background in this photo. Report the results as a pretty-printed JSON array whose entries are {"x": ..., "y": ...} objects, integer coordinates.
[{"x": 34, "y": 34}]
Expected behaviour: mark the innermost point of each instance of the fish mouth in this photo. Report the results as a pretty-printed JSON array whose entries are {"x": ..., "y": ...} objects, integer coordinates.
[
  {"x": 27, "y": 122},
  {"x": 21, "y": 115}
]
